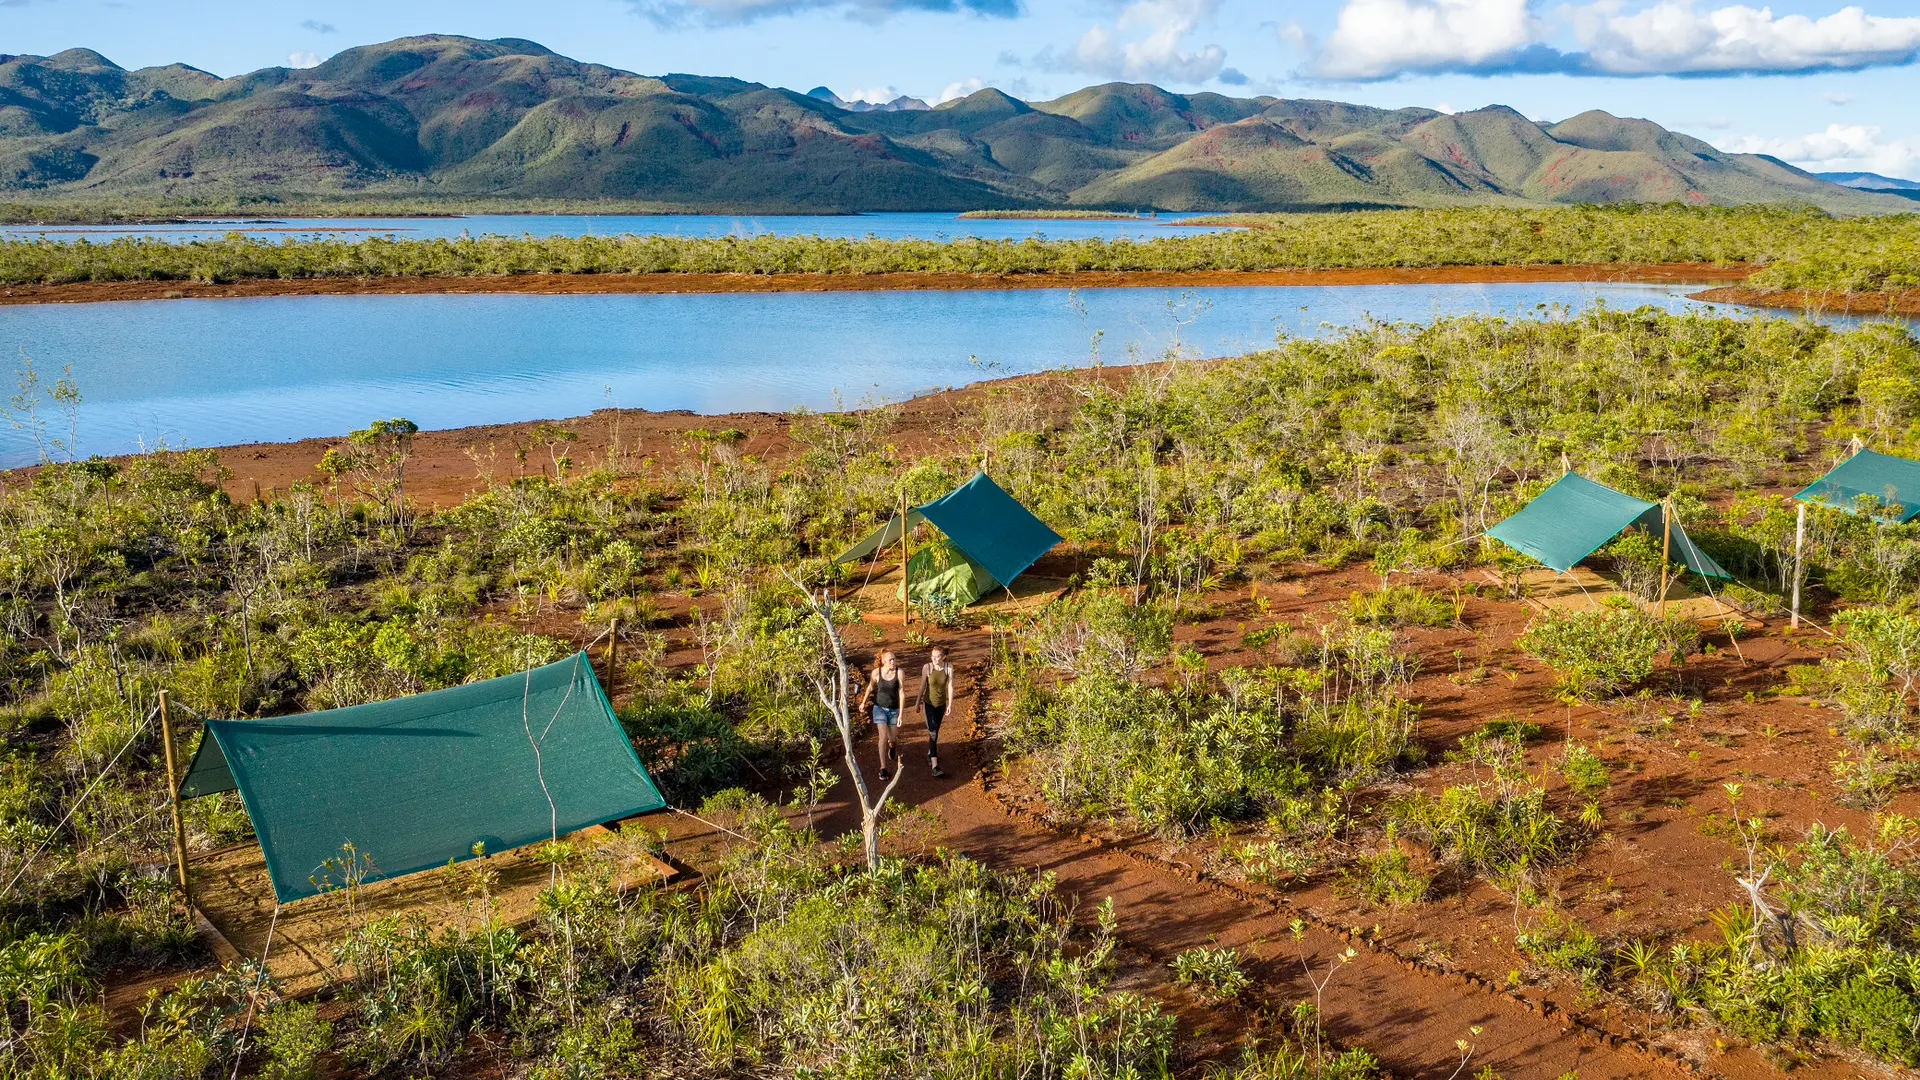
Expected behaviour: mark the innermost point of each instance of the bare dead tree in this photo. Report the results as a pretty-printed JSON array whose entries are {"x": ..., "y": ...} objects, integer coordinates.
[{"x": 835, "y": 689}]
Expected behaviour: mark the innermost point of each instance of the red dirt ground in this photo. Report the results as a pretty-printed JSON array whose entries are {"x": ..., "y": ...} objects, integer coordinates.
[
  {"x": 1422, "y": 975},
  {"x": 1899, "y": 302},
  {"x": 95, "y": 291},
  {"x": 1425, "y": 974}
]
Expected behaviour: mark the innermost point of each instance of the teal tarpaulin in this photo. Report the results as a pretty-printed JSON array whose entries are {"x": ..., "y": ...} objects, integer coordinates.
[
  {"x": 988, "y": 525},
  {"x": 991, "y": 527},
  {"x": 1572, "y": 519},
  {"x": 1894, "y": 481},
  {"x": 417, "y": 782}
]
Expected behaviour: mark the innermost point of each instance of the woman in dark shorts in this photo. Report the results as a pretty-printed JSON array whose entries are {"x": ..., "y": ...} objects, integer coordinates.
[
  {"x": 884, "y": 691},
  {"x": 936, "y": 693}
]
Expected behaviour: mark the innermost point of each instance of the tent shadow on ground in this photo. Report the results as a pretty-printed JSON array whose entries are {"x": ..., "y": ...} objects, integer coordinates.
[
  {"x": 234, "y": 900},
  {"x": 878, "y": 598}
]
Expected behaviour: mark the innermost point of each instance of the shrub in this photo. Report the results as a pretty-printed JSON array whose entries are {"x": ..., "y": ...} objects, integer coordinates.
[
  {"x": 293, "y": 1036},
  {"x": 1601, "y": 653},
  {"x": 1214, "y": 973},
  {"x": 1401, "y": 605},
  {"x": 1386, "y": 876},
  {"x": 1560, "y": 942},
  {"x": 1505, "y": 836},
  {"x": 1584, "y": 770}
]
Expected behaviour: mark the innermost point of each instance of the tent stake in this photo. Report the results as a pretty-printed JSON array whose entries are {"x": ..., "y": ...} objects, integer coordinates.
[
  {"x": 173, "y": 800},
  {"x": 1666, "y": 549},
  {"x": 1799, "y": 547},
  {"x": 906, "y": 585}
]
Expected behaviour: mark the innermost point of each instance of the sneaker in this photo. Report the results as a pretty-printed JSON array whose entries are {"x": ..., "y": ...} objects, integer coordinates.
[
  {"x": 939, "y": 772},
  {"x": 885, "y": 775}
]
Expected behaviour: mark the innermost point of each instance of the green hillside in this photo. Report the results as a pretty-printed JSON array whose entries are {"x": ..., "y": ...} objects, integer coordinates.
[{"x": 452, "y": 120}]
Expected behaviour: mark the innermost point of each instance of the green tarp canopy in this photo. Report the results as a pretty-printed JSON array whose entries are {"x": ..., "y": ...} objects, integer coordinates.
[
  {"x": 416, "y": 782},
  {"x": 1895, "y": 481},
  {"x": 1572, "y": 519},
  {"x": 989, "y": 527}
]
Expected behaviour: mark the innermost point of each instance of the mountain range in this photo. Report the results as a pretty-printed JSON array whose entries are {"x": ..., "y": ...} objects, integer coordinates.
[
  {"x": 1867, "y": 181},
  {"x": 443, "y": 117}
]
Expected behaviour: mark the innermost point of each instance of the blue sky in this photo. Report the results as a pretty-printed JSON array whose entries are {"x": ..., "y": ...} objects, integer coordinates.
[{"x": 1821, "y": 85}]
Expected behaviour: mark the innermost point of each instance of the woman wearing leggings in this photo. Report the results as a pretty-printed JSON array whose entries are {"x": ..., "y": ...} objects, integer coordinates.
[{"x": 936, "y": 693}]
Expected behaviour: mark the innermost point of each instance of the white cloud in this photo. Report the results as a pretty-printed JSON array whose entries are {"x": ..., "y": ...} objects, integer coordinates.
[
  {"x": 1834, "y": 97},
  {"x": 1380, "y": 39},
  {"x": 1672, "y": 37},
  {"x": 1145, "y": 43},
  {"x": 879, "y": 95},
  {"x": 303, "y": 58},
  {"x": 954, "y": 91},
  {"x": 1840, "y": 148},
  {"x": 1377, "y": 39}
]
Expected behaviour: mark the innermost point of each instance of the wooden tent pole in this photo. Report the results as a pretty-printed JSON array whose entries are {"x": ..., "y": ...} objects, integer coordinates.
[
  {"x": 906, "y": 584},
  {"x": 1799, "y": 550},
  {"x": 1666, "y": 549},
  {"x": 173, "y": 800},
  {"x": 613, "y": 656}
]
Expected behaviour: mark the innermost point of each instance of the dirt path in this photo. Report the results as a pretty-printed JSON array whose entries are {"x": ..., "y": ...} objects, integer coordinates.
[
  {"x": 1407, "y": 1011},
  {"x": 1408, "y": 1016},
  {"x": 562, "y": 284}
]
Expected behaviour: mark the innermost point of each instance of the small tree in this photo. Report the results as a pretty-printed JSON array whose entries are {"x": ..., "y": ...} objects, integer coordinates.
[
  {"x": 378, "y": 454},
  {"x": 834, "y": 686}
]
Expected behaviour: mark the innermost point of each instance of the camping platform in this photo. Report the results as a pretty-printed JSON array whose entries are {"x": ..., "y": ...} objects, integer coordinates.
[
  {"x": 233, "y": 901},
  {"x": 879, "y": 598},
  {"x": 1583, "y": 589}
]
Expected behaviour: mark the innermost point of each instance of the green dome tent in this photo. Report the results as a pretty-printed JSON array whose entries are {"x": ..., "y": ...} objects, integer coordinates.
[{"x": 990, "y": 540}]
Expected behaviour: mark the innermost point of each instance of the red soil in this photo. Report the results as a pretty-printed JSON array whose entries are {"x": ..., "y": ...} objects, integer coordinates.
[
  {"x": 1900, "y": 302},
  {"x": 553, "y": 284},
  {"x": 1421, "y": 976}
]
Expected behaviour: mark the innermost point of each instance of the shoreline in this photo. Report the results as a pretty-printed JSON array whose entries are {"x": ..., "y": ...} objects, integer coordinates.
[
  {"x": 447, "y": 465},
  {"x": 81, "y": 292},
  {"x": 1903, "y": 302}
]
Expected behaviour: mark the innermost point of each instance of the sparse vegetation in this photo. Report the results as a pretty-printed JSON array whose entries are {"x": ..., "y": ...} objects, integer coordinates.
[
  {"x": 1462, "y": 237},
  {"x": 1199, "y": 683}
]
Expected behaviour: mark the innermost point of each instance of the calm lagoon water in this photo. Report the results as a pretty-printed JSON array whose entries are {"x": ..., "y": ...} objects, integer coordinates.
[
  {"x": 214, "y": 372},
  {"x": 886, "y": 226}
]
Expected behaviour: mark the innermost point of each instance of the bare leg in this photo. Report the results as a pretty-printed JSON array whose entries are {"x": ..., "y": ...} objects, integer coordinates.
[{"x": 885, "y": 739}]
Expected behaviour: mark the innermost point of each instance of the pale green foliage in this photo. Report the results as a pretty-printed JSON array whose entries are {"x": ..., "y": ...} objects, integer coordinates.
[
  {"x": 1601, "y": 653},
  {"x": 1215, "y": 974}
]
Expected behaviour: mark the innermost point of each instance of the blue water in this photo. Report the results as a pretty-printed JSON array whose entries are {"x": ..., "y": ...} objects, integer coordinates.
[
  {"x": 215, "y": 372},
  {"x": 887, "y": 226}
]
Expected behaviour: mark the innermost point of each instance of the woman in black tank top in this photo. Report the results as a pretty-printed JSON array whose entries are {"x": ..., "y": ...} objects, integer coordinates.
[{"x": 883, "y": 690}]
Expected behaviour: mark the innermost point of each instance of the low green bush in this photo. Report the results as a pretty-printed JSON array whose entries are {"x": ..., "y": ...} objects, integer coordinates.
[
  {"x": 1402, "y": 605},
  {"x": 1604, "y": 652},
  {"x": 1215, "y": 974}
]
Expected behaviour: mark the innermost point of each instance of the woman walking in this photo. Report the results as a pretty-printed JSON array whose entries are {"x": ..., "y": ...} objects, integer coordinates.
[
  {"x": 936, "y": 693},
  {"x": 883, "y": 690}
]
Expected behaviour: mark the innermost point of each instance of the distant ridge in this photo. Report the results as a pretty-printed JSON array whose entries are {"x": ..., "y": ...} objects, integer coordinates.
[
  {"x": 1869, "y": 181},
  {"x": 441, "y": 117},
  {"x": 901, "y": 103}
]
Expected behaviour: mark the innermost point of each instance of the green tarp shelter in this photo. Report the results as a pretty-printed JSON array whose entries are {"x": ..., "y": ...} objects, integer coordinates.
[
  {"x": 996, "y": 537},
  {"x": 1572, "y": 519},
  {"x": 416, "y": 782},
  {"x": 1895, "y": 481}
]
